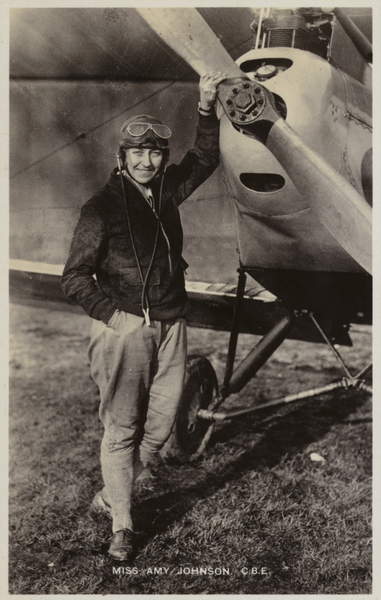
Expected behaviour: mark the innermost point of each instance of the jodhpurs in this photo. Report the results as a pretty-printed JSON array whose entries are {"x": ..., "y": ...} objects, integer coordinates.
[{"x": 139, "y": 371}]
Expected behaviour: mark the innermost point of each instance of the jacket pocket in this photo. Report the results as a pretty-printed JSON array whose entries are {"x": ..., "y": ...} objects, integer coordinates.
[
  {"x": 129, "y": 277},
  {"x": 130, "y": 282}
]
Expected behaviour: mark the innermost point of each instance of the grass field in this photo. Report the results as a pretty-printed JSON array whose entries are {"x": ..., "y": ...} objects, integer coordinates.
[{"x": 256, "y": 509}]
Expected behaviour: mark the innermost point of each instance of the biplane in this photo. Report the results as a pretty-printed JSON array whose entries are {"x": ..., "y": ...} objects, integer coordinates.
[{"x": 281, "y": 233}]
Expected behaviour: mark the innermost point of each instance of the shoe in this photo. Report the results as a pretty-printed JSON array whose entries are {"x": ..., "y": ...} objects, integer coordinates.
[
  {"x": 99, "y": 506},
  {"x": 122, "y": 545}
]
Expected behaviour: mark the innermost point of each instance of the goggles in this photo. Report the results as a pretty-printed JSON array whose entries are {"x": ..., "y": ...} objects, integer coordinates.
[{"x": 138, "y": 129}]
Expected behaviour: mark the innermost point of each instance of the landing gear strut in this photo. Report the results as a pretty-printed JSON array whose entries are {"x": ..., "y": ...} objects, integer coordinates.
[{"x": 199, "y": 412}]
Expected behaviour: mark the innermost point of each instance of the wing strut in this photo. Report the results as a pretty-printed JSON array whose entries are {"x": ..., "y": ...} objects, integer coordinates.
[{"x": 361, "y": 42}]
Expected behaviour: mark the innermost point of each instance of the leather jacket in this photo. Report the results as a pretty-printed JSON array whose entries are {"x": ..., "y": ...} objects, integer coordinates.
[{"x": 102, "y": 244}]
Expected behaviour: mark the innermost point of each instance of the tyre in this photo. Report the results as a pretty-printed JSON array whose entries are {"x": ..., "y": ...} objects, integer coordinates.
[{"x": 200, "y": 389}]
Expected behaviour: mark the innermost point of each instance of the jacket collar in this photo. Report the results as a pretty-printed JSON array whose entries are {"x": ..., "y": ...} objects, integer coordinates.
[
  {"x": 145, "y": 190},
  {"x": 135, "y": 195}
]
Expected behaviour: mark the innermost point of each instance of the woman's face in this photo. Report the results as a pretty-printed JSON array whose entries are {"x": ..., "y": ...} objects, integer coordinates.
[{"x": 143, "y": 164}]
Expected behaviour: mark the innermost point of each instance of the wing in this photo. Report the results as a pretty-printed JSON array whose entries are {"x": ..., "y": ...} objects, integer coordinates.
[{"x": 211, "y": 305}]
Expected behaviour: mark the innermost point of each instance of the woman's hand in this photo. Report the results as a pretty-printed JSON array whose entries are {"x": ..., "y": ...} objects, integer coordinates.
[{"x": 208, "y": 89}]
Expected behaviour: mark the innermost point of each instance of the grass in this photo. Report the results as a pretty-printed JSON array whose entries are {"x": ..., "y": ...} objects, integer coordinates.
[{"x": 255, "y": 504}]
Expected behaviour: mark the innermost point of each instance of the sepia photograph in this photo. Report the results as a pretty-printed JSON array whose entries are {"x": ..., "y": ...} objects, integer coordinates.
[{"x": 190, "y": 299}]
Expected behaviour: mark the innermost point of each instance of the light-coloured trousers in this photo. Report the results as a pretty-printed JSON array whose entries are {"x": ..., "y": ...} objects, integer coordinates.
[{"x": 140, "y": 372}]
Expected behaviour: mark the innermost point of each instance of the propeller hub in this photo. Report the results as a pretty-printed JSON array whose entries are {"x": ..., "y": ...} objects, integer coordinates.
[{"x": 244, "y": 100}]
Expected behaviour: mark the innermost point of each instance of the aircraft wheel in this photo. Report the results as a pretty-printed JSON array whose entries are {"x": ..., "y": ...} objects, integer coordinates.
[{"x": 187, "y": 438}]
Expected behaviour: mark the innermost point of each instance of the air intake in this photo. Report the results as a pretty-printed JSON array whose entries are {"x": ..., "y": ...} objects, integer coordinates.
[{"x": 262, "y": 182}]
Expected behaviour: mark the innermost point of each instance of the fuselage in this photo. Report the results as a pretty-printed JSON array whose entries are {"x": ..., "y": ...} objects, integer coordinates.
[{"x": 280, "y": 240}]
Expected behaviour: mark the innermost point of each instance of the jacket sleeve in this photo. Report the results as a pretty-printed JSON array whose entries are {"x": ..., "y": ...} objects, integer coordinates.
[
  {"x": 198, "y": 164},
  {"x": 78, "y": 281}
]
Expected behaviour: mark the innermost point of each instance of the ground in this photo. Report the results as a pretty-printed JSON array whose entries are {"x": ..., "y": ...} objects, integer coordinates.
[{"x": 257, "y": 512}]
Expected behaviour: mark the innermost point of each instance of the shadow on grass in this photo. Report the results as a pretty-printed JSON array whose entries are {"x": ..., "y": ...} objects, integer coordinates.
[
  {"x": 282, "y": 435},
  {"x": 83, "y": 555}
]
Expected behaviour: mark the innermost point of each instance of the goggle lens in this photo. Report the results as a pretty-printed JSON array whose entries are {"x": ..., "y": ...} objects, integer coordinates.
[{"x": 139, "y": 129}]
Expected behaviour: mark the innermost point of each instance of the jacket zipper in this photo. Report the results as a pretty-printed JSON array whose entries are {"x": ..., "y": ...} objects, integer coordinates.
[
  {"x": 152, "y": 207},
  {"x": 166, "y": 239}
]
